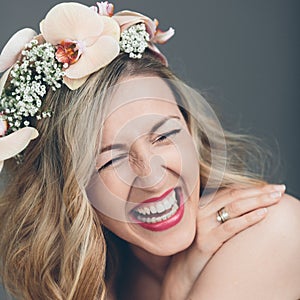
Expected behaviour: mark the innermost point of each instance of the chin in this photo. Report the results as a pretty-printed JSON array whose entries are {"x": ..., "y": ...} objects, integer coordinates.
[{"x": 175, "y": 240}]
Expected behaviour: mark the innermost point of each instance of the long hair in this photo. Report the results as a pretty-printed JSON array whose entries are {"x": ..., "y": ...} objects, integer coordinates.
[{"x": 52, "y": 244}]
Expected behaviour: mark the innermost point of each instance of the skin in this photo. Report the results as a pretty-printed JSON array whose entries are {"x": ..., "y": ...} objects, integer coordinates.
[
  {"x": 266, "y": 263},
  {"x": 147, "y": 166},
  {"x": 151, "y": 167}
]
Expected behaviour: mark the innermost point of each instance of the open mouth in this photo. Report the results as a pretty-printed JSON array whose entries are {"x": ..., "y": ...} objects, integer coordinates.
[{"x": 160, "y": 214}]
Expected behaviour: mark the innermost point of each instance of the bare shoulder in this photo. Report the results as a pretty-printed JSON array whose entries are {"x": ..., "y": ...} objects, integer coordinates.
[
  {"x": 262, "y": 262},
  {"x": 282, "y": 221}
]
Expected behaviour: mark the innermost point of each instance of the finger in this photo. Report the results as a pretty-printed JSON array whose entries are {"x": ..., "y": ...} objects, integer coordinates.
[
  {"x": 210, "y": 241},
  {"x": 231, "y": 227},
  {"x": 240, "y": 207},
  {"x": 240, "y": 193},
  {"x": 208, "y": 220},
  {"x": 232, "y": 195}
]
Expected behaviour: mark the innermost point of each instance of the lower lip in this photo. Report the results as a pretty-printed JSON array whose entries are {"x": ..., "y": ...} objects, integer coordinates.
[{"x": 165, "y": 224}]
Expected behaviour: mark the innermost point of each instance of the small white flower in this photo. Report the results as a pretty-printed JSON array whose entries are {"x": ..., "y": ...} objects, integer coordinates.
[
  {"x": 31, "y": 77},
  {"x": 134, "y": 40}
]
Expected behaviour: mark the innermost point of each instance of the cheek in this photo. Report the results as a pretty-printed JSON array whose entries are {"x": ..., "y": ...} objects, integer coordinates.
[
  {"x": 184, "y": 159},
  {"x": 108, "y": 195},
  {"x": 114, "y": 183}
]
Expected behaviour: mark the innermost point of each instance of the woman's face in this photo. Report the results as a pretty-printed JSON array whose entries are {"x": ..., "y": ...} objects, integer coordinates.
[{"x": 146, "y": 189}]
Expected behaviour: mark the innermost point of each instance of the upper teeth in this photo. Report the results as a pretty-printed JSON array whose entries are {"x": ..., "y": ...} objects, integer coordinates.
[{"x": 159, "y": 206}]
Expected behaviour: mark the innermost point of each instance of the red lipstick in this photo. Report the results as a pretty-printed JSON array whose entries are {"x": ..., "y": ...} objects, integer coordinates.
[{"x": 160, "y": 213}]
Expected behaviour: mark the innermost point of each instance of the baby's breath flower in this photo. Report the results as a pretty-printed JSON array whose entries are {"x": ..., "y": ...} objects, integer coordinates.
[
  {"x": 32, "y": 76},
  {"x": 134, "y": 40}
]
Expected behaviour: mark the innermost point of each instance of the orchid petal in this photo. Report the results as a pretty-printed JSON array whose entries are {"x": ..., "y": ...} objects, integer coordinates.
[
  {"x": 16, "y": 142},
  {"x": 70, "y": 21},
  {"x": 128, "y": 18},
  {"x": 4, "y": 79},
  {"x": 74, "y": 84},
  {"x": 111, "y": 28},
  {"x": 105, "y": 8},
  {"x": 94, "y": 8},
  {"x": 159, "y": 55},
  {"x": 14, "y": 46},
  {"x": 162, "y": 37},
  {"x": 94, "y": 58},
  {"x": 3, "y": 126}
]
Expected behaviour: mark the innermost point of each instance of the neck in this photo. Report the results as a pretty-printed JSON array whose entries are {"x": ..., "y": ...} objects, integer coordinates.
[{"x": 154, "y": 264}]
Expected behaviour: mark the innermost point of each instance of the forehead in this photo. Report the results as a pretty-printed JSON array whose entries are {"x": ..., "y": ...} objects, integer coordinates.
[{"x": 139, "y": 100}]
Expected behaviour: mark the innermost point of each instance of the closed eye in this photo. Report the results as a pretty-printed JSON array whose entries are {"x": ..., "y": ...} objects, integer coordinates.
[
  {"x": 111, "y": 162},
  {"x": 163, "y": 137}
]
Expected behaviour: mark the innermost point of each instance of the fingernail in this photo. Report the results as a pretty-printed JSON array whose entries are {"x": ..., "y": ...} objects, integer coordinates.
[
  {"x": 280, "y": 187},
  {"x": 261, "y": 211},
  {"x": 275, "y": 195}
]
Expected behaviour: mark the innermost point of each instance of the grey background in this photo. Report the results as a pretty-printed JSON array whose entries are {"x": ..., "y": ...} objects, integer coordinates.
[{"x": 243, "y": 54}]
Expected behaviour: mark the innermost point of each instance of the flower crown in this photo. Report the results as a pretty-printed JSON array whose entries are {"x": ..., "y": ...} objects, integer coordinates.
[{"x": 75, "y": 41}]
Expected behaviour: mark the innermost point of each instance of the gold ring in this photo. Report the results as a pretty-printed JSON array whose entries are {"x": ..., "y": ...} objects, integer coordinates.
[{"x": 222, "y": 215}]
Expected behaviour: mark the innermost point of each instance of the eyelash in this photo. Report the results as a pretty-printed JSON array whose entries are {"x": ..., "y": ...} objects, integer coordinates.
[
  {"x": 111, "y": 162},
  {"x": 161, "y": 139}
]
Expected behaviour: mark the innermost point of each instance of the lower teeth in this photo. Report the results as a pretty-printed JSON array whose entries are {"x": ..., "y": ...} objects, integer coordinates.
[{"x": 161, "y": 218}]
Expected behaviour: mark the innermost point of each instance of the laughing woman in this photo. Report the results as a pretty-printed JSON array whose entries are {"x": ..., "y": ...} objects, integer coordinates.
[{"x": 123, "y": 184}]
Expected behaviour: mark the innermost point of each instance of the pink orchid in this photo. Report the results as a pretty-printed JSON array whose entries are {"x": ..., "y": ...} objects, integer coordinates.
[
  {"x": 3, "y": 126},
  {"x": 85, "y": 41},
  {"x": 104, "y": 8},
  {"x": 12, "y": 50},
  {"x": 128, "y": 18},
  {"x": 68, "y": 52},
  {"x": 161, "y": 37},
  {"x": 15, "y": 143}
]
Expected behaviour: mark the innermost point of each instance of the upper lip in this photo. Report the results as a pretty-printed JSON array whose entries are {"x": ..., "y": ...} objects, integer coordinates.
[{"x": 154, "y": 199}]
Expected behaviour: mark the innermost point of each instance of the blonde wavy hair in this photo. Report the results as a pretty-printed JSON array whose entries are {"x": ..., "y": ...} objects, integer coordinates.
[{"x": 52, "y": 244}]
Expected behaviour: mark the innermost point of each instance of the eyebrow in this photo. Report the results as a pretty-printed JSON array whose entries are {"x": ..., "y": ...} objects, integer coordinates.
[{"x": 153, "y": 129}]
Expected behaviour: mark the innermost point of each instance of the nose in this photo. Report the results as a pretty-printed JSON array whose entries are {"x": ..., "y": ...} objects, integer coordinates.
[
  {"x": 140, "y": 163},
  {"x": 147, "y": 168}
]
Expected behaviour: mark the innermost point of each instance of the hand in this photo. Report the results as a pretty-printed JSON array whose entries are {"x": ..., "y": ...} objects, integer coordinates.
[{"x": 245, "y": 206}]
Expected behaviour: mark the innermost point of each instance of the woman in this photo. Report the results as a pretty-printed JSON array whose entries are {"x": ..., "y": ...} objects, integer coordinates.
[{"x": 104, "y": 203}]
